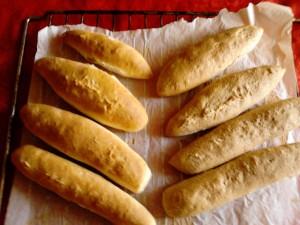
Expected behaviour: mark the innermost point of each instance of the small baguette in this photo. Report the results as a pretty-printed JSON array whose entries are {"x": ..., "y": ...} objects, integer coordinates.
[
  {"x": 224, "y": 99},
  {"x": 81, "y": 186},
  {"x": 94, "y": 93},
  {"x": 232, "y": 180},
  {"x": 111, "y": 54},
  {"x": 201, "y": 62},
  {"x": 238, "y": 136},
  {"x": 88, "y": 142}
]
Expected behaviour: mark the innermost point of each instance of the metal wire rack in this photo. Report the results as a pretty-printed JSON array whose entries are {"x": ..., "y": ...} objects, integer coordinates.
[{"x": 113, "y": 20}]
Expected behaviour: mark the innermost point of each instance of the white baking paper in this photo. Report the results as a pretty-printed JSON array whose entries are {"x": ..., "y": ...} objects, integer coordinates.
[{"x": 277, "y": 204}]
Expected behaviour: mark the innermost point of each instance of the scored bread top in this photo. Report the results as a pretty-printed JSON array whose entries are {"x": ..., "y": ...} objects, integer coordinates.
[
  {"x": 111, "y": 54},
  {"x": 224, "y": 99},
  {"x": 237, "y": 136},
  {"x": 93, "y": 92},
  {"x": 201, "y": 62}
]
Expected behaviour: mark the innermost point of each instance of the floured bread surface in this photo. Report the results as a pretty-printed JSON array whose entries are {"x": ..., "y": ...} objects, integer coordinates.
[
  {"x": 234, "y": 179},
  {"x": 94, "y": 93},
  {"x": 111, "y": 54},
  {"x": 80, "y": 186},
  {"x": 224, "y": 99},
  {"x": 201, "y": 62},
  {"x": 88, "y": 142},
  {"x": 238, "y": 136}
]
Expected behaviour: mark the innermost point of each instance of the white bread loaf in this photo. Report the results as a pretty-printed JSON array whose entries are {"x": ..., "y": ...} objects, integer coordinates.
[
  {"x": 88, "y": 142},
  {"x": 81, "y": 186},
  {"x": 94, "y": 93},
  {"x": 224, "y": 99},
  {"x": 238, "y": 136},
  {"x": 232, "y": 180},
  {"x": 201, "y": 62},
  {"x": 111, "y": 54}
]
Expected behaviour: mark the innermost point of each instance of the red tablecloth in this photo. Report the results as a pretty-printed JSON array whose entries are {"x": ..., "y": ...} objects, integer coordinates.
[{"x": 13, "y": 12}]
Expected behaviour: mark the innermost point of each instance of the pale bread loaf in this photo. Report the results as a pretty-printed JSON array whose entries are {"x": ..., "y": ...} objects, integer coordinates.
[
  {"x": 238, "y": 136},
  {"x": 88, "y": 142},
  {"x": 232, "y": 180},
  {"x": 94, "y": 93},
  {"x": 201, "y": 62},
  {"x": 81, "y": 186},
  {"x": 111, "y": 54},
  {"x": 224, "y": 99}
]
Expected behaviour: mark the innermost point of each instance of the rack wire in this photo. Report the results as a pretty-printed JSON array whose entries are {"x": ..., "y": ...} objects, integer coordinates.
[{"x": 113, "y": 20}]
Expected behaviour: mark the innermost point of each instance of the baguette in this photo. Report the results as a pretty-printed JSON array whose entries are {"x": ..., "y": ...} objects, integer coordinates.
[
  {"x": 201, "y": 62},
  {"x": 224, "y": 99},
  {"x": 232, "y": 180},
  {"x": 94, "y": 93},
  {"x": 111, "y": 54},
  {"x": 88, "y": 142},
  {"x": 238, "y": 136},
  {"x": 81, "y": 186}
]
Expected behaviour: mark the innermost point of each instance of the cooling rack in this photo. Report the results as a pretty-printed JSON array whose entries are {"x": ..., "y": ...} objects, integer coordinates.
[{"x": 113, "y": 20}]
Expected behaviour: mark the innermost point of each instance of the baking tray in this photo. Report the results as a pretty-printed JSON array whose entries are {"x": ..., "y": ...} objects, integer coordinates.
[{"x": 113, "y": 20}]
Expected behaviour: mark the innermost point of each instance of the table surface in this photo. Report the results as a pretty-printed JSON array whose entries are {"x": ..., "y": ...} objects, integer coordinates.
[{"x": 13, "y": 12}]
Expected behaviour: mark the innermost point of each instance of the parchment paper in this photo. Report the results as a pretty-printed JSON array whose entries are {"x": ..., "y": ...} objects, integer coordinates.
[{"x": 276, "y": 204}]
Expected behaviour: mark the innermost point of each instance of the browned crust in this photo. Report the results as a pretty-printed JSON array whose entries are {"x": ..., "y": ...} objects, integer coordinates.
[
  {"x": 94, "y": 93},
  {"x": 80, "y": 186},
  {"x": 201, "y": 62},
  {"x": 238, "y": 136},
  {"x": 111, "y": 54},
  {"x": 232, "y": 180},
  {"x": 89, "y": 142}
]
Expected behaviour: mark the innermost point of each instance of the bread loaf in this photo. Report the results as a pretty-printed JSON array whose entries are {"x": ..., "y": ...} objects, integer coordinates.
[
  {"x": 111, "y": 54},
  {"x": 88, "y": 142},
  {"x": 201, "y": 62},
  {"x": 224, "y": 99},
  {"x": 80, "y": 186},
  {"x": 93, "y": 92},
  {"x": 234, "y": 179},
  {"x": 238, "y": 136}
]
